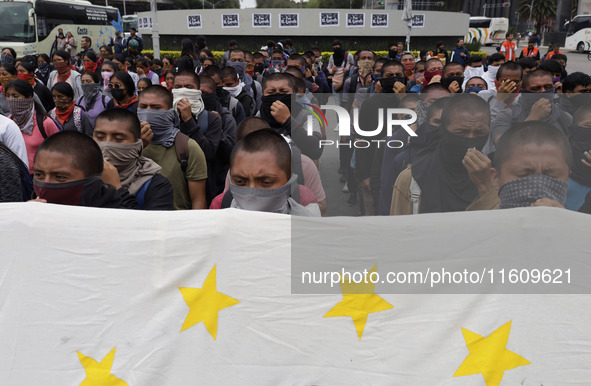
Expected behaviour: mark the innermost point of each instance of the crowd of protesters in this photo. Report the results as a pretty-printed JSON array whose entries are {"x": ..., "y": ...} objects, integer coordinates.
[{"x": 122, "y": 129}]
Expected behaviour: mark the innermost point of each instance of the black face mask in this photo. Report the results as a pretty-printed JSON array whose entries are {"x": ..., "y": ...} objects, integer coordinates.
[
  {"x": 454, "y": 147},
  {"x": 392, "y": 53},
  {"x": 157, "y": 71},
  {"x": 118, "y": 94},
  {"x": 579, "y": 100},
  {"x": 580, "y": 143},
  {"x": 388, "y": 83},
  {"x": 267, "y": 101},
  {"x": 210, "y": 101},
  {"x": 259, "y": 68},
  {"x": 223, "y": 96},
  {"x": 445, "y": 82}
]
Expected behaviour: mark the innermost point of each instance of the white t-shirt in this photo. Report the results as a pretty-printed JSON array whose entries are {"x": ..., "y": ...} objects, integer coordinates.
[{"x": 11, "y": 136}]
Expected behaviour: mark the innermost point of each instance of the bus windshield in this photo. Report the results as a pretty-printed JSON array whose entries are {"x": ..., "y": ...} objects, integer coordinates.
[
  {"x": 15, "y": 25},
  {"x": 129, "y": 23}
]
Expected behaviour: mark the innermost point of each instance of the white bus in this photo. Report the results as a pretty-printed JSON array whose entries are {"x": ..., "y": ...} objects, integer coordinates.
[
  {"x": 130, "y": 21},
  {"x": 487, "y": 30},
  {"x": 31, "y": 26},
  {"x": 578, "y": 34}
]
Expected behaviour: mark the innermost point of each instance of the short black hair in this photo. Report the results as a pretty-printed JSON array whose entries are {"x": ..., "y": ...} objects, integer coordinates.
[
  {"x": 147, "y": 81},
  {"x": 552, "y": 66},
  {"x": 280, "y": 76},
  {"x": 560, "y": 56},
  {"x": 581, "y": 113},
  {"x": 449, "y": 65},
  {"x": 266, "y": 140},
  {"x": 87, "y": 38},
  {"x": 535, "y": 74},
  {"x": 249, "y": 125},
  {"x": 190, "y": 74},
  {"x": 496, "y": 57},
  {"x": 212, "y": 71},
  {"x": 390, "y": 63},
  {"x": 464, "y": 102},
  {"x": 528, "y": 62},
  {"x": 125, "y": 116},
  {"x": 86, "y": 154},
  {"x": 435, "y": 87},
  {"x": 159, "y": 91},
  {"x": 205, "y": 80},
  {"x": 575, "y": 79},
  {"x": 475, "y": 59},
  {"x": 509, "y": 66},
  {"x": 93, "y": 75},
  {"x": 22, "y": 87},
  {"x": 524, "y": 133},
  {"x": 294, "y": 71},
  {"x": 301, "y": 60},
  {"x": 229, "y": 72},
  {"x": 439, "y": 104},
  {"x": 478, "y": 77}
]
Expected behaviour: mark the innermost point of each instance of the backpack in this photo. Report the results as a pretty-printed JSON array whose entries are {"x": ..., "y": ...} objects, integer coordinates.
[
  {"x": 181, "y": 142},
  {"x": 353, "y": 83},
  {"x": 140, "y": 196},
  {"x": 26, "y": 179},
  {"x": 77, "y": 114},
  {"x": 296, "y": 164},
  {"x": 244, "y": 100},
  {"x": 228, "y": 197},
  {"x": 41, "y": 125}
]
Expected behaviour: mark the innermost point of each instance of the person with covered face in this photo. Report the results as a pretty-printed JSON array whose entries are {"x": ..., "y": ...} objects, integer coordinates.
[
  {"x": 579, "y": 181},
  {"x": 68, "y": 170},
  {"x": 122, "y": 89},
  {"x": 576, "y": 92},
  {"x": 67, "y": 113},
  {"x": 261, "y": 178},
  {"x": 182, "y": 160},
  {"x": 93, "y": 100},
  {"x": 30, "y": 117},
  {"x": 117, "y": 133},
  {"x": 286, "y": 119},
  {"x": 450, "y": 174},
  {"x": 537, "y": 102},
  {"x": 532, "y": 165},
  {"x": 64, "y": 73}
]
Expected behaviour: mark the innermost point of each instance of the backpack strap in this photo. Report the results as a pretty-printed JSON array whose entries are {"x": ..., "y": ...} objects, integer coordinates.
[
  {"x": 203, "y": 121},
  {"x": 232, "y": 105},
  {"x": 77, "y": 113},
  {"x": 140, "y": 196},
  {"x": 295, "y": 191},
  {"x": 227, "y": 199},
  {"x": 353, "y": 83},
  {"x": 181, "y": 146},
  {"x": 40, "y": 126},
  {"x": 415, "y": 195}
]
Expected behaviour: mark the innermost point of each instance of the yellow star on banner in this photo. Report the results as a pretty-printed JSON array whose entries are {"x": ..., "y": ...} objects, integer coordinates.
[
  {"x": 99, "y": 374},
  {"x": 359, "y": 300},
  {"x": 205, "y": 303},
  {"x": 489, "y": 356}
]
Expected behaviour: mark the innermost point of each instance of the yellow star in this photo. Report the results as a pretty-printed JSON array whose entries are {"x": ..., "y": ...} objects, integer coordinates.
[
  {"x": 205, "y": 303},
  {"x": 489, "y": 356},
  {"x": 359, "y": 300},
  {"x": 99, "y": 374}
]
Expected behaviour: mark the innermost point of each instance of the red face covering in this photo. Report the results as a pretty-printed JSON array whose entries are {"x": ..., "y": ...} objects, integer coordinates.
[
  {"x": 65, "y": 115},
  {"x": 63, "y": 71},
  {"x": 68, "y": 193},
  {"x": 429, "y": 75},
  {"x": 90, "y": 66},
  {"x": 28, "y": 78}
]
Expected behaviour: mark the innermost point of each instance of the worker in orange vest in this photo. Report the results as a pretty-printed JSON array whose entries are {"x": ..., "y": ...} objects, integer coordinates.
[
  {"x": 531, "y": 50},
  {"x": 508, "y": 47},
  {"x": 555, "y": 51}
]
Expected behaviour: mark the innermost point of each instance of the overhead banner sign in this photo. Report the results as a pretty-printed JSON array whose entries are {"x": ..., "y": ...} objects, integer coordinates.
[{"x": 117, "y": 297}]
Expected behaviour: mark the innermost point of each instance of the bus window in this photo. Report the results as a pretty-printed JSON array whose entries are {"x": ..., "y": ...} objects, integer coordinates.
[
  {"x": 480, "y": 23},
  {"x": 578, "y": 24},
  {"x": 15, "y": 25}
]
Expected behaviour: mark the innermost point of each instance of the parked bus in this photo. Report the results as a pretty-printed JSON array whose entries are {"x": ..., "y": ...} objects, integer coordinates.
[
  {"x": 487, "y": 30},
  {"x": 578, "y": 34},
  {"x": 30, "y": 26}
]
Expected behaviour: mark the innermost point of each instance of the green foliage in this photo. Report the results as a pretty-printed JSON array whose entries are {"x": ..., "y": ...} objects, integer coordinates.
[
  {"x": 325, "y": 55},
  {"x": 541, "y": 9},
  {"x": 276, "y": 4},
  {"x": 472, "y": 46}
]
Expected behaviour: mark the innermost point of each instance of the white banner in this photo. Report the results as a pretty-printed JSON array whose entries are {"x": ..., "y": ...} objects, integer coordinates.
[{"x": 116, "y": 297}]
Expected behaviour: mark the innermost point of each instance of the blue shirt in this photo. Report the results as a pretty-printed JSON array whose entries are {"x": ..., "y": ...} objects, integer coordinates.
[{"x": 575, "y": 196}]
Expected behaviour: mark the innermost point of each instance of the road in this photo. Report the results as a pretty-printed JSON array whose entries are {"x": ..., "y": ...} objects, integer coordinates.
[{"x": 329, "y": 162}]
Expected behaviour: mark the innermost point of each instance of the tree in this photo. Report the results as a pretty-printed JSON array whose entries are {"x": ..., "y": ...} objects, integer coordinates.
[{"x": 539, "y": 10}]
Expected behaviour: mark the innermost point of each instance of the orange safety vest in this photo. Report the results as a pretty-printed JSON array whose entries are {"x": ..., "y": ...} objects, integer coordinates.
[
  {"x": 534, "y": 52},
  {"x": 509, "y": 50},
  {"x": 551, "y": 54}
]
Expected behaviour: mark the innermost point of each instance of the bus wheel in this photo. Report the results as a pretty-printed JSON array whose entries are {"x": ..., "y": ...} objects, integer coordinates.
[{"x": 580, "y": 48}]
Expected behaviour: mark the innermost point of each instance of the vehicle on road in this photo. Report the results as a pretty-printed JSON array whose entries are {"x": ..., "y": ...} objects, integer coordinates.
[{"x": 487, "y": 30}]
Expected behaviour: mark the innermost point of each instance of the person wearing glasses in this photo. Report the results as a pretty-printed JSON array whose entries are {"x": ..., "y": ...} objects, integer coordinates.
[
  {"x": 70, "y": 116},
  {"x": 64, "y": 73},
  {"x": 123, "y": 91}
]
